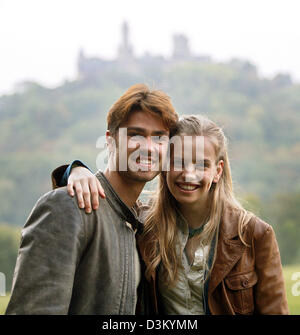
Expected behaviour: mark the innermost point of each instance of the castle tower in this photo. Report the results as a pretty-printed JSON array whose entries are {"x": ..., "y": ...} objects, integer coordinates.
[
  {"x": 181, "y": 48},
  {"x": 125, "y": 34},
  {"x": 125, "y": 51},
  {"x": 81, "y": 60}
]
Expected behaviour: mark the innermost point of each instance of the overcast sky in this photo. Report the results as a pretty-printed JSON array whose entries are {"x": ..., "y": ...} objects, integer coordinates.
[{"x": 40, "y": 39}]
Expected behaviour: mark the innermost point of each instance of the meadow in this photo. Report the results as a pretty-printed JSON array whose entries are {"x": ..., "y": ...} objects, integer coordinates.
[{"x": 292, "y": 286}]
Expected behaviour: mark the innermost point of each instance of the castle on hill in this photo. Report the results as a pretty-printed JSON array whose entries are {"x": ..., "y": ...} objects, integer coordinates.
[{"x": 126, "y": 61}]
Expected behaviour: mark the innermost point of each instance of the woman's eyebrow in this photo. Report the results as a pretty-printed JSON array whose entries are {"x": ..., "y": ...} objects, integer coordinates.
[
  {"x": 199, "y": 161},
  {"x": 208, "y": 161}
]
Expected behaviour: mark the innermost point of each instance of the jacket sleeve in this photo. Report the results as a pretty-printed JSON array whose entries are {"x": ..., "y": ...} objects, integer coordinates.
[
  {"x": 51, "y": 244},
  {"x": 270, "y": 293},
  {"x": 57, "y": 175},
  {"x": 60, "y": 175}
]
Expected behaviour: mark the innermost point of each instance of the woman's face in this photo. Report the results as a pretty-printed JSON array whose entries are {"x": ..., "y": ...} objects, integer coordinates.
[{"x": 191, "y": 184}]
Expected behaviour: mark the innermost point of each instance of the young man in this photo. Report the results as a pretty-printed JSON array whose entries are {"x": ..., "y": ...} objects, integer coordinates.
[{"x": 71, "y": 262}]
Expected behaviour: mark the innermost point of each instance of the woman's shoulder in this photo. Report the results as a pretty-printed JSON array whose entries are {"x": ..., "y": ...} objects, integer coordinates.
[
  {"x": 255, "y": 226},
  {"x": 259, "y": 227}
]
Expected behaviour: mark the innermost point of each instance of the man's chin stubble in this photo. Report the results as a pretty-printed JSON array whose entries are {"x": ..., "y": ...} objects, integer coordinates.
[{"x": 140, "y": 176}]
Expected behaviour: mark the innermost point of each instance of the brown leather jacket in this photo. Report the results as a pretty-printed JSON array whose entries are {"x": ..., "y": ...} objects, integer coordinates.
[{"x": 244, "y": 280}]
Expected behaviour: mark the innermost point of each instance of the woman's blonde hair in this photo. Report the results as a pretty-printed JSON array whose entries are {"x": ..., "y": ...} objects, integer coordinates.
[{"x": 159, "y": 237}]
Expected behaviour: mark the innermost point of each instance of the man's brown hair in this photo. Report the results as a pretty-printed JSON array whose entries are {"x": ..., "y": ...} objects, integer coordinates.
[{"x": 140, "y": 97}]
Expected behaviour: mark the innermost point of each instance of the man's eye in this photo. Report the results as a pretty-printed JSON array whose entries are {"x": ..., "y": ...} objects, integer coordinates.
[
  {"x": 156, "y": 140},
  {"x": 164, "y": 139},
  {"x": 135, "y": 137},
  {"x": 160, "y": 139}
]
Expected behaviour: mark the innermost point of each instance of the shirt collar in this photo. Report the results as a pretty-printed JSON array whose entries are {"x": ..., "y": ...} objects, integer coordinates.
[{"x": 127, "y": 214}]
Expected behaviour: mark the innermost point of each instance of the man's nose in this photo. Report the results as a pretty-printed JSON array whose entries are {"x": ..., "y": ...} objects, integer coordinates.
[{"x": 148, "y": 145}]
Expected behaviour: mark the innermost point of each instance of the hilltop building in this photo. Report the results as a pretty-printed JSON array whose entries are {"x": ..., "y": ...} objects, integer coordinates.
[{"x": 126, "y": 61}]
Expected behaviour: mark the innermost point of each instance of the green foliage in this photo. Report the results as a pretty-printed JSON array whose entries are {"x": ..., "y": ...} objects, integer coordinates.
[
  {"x": 9, "y": 244},
  {"x": 286, "y": 216},
  {"x": 282, "y": 213}
]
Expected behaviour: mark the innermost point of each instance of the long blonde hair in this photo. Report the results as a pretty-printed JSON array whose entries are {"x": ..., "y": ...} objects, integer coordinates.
[{"x": 159, "y": 237}]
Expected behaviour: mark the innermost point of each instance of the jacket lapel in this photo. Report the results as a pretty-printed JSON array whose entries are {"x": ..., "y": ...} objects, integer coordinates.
[{"x": 229, "y": 250}]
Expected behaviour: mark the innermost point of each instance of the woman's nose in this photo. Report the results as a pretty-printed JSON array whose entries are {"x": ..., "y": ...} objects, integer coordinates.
[{"x": 191, "y": 174}]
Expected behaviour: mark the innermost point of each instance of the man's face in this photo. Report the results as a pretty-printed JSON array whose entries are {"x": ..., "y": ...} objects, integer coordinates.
[{"x": 141, "y": 146}]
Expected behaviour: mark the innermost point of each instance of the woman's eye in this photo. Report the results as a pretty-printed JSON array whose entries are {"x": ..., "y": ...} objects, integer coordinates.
[
  {"x": 177, "y": 163},
  {"x": 200, "y": 167}
]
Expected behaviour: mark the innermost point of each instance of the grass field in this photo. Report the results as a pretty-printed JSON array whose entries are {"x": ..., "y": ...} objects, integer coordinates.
[
  {"x": 293, "y": 301},
  {"x": 3, "y": 303}
]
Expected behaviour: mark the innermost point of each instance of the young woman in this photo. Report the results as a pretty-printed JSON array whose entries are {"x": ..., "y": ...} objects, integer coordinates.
[{"x": 204, "y": 253}]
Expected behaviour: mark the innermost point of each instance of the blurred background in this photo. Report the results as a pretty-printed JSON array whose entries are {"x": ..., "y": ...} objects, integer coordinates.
[{"x": 64, "y": 63}]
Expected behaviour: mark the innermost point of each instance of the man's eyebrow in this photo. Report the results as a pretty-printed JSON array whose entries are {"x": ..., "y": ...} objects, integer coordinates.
[
  {"x": 143, "y": 130},
  {"x": 135, "y": 128},
  {"x": 138, "y": 129},
  {"x": 161, "y": 132}
]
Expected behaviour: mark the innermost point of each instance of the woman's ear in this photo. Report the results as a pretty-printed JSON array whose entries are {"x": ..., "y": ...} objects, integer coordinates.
[{"x": 219, "y": 171}]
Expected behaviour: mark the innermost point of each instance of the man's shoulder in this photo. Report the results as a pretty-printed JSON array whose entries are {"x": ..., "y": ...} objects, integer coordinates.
[
  {"x": 58, "y": 198},
  {"x": 55, "y": 212},
  {"x": 61, "y": 204}
]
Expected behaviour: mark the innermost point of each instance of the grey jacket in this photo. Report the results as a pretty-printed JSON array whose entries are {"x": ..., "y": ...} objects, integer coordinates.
[{"x": 70, "y": 262}]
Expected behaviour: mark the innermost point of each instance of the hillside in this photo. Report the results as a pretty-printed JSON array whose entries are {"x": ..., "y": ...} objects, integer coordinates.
[{"x": 42, "y": 128}]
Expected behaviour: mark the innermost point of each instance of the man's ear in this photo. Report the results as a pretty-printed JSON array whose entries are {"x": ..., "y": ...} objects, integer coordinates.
[
  {"x": 219, "y": 171},
  {"x": 107, "y": 135},
  {"x": 110, "y": 141}
]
